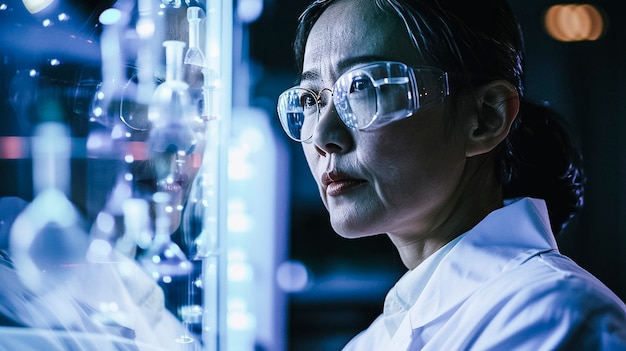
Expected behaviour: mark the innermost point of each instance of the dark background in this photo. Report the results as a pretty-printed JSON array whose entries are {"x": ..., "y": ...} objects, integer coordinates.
[{"x": 583, "y": 81}]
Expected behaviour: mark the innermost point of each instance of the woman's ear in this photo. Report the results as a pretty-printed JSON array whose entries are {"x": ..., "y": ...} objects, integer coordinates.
[{"x": 497, "y": 105}]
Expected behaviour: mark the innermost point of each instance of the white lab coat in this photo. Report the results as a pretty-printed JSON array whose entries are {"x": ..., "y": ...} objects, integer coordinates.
[{"x": 501, "y": 286}]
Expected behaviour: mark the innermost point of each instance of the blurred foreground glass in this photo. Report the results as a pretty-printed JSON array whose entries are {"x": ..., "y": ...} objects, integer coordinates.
[
  {"x": 164, "y": 259},
  {"x": 48, "y": 237}
]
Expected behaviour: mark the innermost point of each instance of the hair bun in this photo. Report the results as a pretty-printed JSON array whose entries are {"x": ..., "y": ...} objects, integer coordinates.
[{"x": 541, "y": 161}]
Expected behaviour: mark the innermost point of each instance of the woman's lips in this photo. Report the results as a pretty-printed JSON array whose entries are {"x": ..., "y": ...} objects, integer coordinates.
[
  {"x": 336, "y": 188},
  {"x": 337, "y": 182},
  {"x": 174, "y": 183}
]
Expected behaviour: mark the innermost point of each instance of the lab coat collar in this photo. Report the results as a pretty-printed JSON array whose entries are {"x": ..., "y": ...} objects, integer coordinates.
[
  {"x": 407, "y": 290},
  {"x": 504, "y": 239}
]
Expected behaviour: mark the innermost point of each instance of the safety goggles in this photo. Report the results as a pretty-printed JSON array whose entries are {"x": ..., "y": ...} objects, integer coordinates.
[{"x": 365, "y": 98}]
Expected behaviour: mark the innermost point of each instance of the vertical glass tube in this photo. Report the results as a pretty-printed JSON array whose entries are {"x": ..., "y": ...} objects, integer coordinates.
[
  {"x": 148, "y": 41},
  {"x": 217, "y": 111},
  {"x": 107, "y": 95},
  {"x": 194, "y": 55}
]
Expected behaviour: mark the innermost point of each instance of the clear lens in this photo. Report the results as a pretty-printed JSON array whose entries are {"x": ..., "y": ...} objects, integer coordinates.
[
  {"x": 298, "y": 113},
  {"x": 355, "y": 97},
  {"x": 376, "y": 94},
  {"x": 431, "y": 85},
  {"x": 373, "y": 95},
  {"x": 133, "y": 113}
]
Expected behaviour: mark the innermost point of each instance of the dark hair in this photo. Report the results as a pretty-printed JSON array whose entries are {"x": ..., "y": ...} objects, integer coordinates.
[{"x": 477, "y": 42}]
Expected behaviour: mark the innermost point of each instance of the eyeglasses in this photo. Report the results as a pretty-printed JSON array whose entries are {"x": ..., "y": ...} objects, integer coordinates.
[{"x": 365, "y": 98}]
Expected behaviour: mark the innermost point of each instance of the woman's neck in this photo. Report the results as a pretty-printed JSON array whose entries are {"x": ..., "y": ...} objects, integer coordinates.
[{"x": 479, "y": 194}]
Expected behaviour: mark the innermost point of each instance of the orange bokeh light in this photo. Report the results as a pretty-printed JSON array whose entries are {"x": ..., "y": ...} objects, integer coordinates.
[{"x": 570, "y": 22}]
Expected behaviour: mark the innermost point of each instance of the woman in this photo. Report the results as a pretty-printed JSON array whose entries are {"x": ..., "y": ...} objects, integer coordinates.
[{"x": 413, "y": 122}]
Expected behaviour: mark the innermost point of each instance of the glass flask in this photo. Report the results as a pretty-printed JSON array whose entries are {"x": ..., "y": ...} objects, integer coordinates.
[
  {"x": 176, "y": 140},
  {"x": 200, "y": 220},
  {"x": 171, "y": 111},
  {"x": 112, "y": 148},
  {"x": 194, "y": 55},
  {"x": 48, "y": 238},
  {"x": 108, "y": 227},
  {"x": 164, "y": 259}
]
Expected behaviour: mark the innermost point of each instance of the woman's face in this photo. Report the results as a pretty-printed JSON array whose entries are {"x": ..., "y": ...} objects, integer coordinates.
[{"x": 400, "y": 179}]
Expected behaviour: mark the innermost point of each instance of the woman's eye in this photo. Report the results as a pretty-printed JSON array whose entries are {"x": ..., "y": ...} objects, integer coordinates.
[
  {"x": 308, "y": 101},
  {"x": 360, "y": 84}
]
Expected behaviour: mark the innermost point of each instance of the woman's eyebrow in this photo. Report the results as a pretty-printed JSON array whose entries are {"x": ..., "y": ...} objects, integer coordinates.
[
  {"x": 348, "y": 63},
  {"x": 308, "y": 76},
  {"x": 342, "y": 66}
]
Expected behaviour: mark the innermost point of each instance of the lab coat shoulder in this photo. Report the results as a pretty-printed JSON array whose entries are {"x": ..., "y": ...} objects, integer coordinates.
[
  {"x": 506, "y": 287},
  {"x": 372, "y": 339},
  {"x": 546, "y": 303}
]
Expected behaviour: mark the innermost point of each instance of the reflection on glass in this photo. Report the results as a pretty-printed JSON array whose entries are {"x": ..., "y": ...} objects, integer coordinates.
[
  {"x": 172, "y": 3},
  {"x": 190, "y": 315},
  {"x": 108, "y": 226},
  {"x": 177, "y": 133},
  {"x": 171, "y": 111},
  {"x": 99, "y": 109},
  {"x": 137, "y": 229},
  {"x": 199, "y": 3},
  {"x": 88, "y": 84},
  {"x": 200, "y": 224},
  {"x": 164, "y": 259},
  {"x": 133, "y": 112}
]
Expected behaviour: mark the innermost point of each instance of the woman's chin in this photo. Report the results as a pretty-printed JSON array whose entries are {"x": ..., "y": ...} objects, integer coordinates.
[{"x": 350, "y": 232}]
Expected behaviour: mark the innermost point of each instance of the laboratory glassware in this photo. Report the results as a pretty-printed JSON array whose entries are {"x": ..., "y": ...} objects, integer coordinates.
[
  {"x": 48, "y": 238},
  {"x": 194, "y": 55},
  {"x": 164, "y": 259}
]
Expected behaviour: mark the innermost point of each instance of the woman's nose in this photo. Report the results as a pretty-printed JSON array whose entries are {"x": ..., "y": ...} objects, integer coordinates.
[{"x": 331, "y": 134}]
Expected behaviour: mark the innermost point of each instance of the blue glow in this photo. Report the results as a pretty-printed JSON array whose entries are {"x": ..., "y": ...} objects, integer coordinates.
[
  {"x": 292, "y": 276},
  {"x": 34, "y": 6},
  {"x": 249, "y": 10},
  {"x": 110, "y": 16}
]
